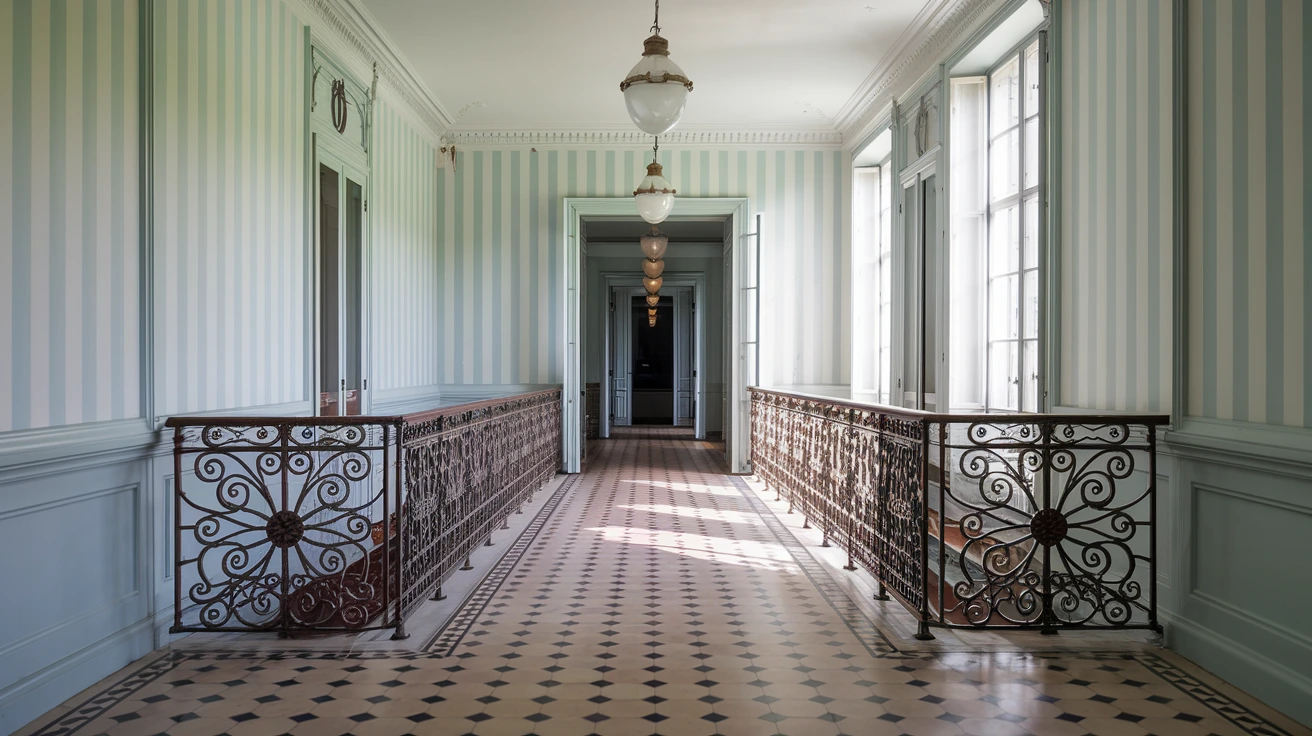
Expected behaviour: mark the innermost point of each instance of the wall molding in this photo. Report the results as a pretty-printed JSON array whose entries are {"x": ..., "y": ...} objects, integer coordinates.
[
  {"x": 347, "y": 28},
  {"x": 906, "y": 69},
  {"x": 603, "y": 139},
  {"x": 57, "y": 450},
  {"x": 1265, "y": 448}
]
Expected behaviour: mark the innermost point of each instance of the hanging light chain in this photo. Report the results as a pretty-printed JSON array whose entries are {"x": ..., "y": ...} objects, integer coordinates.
[{"x": 656, "y": 23}]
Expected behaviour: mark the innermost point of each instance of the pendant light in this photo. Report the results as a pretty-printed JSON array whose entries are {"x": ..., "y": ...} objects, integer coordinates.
[
  {"x": 654, "y": 244},
  {"x": 651, "y": 317},
  {"x": 653, "y": 268},
  {"x": 653, "y": 286},
  {"x": 654, "y": 196},
  {"x": 656, "y": 90},
  {"x": 653, "y": 300}
]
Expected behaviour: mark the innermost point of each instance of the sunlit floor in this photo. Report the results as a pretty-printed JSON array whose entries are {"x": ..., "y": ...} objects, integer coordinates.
[{"x": 662, "y": 596}]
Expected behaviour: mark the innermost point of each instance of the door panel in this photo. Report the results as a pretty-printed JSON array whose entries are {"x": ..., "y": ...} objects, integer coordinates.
[
  {"x": 683, "y": 357},
  {"x": 621, "y": 359}
]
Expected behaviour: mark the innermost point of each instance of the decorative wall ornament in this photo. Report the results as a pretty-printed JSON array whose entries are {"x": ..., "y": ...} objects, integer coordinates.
[
  {"x": 656, "y": 90},
  {"x": 339, "y": 105}
]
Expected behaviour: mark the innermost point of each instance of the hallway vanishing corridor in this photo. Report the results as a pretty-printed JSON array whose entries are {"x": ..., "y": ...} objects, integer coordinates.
[{"x": 654, "y": 594}]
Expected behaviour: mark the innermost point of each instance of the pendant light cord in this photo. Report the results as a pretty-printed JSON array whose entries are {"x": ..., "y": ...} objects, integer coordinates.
[
  {"x": 656, "y": 23},
  {"x": 655, "y": 149}
]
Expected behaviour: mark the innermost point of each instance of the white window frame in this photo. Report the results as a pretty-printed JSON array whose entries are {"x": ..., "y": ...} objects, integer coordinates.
[{"x": 1029, "y": 394}]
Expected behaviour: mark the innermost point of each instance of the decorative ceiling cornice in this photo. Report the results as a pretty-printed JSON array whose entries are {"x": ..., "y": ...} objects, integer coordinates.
[
  {"x": 940, "y": 34},
  {"x": 348, "y": 30},
  {"x": 638, "y": 139}
]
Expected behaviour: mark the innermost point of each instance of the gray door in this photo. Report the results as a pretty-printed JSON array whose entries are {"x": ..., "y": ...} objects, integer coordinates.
[
  {"x": 621, "y": 358},
  {"x": 685, "y": 380}
]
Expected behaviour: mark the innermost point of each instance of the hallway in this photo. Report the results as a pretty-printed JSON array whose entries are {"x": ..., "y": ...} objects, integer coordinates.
[{"x": 655, "y": 594}]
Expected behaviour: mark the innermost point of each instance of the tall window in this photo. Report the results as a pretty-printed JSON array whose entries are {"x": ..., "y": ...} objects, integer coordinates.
[
  {"x": 1013, "y": 232},
  {"x": 872, "y": 283}
]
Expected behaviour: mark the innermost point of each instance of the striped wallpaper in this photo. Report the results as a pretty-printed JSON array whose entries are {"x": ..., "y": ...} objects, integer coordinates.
[
  {"x": 501, "y": 239},
  {"x": 229, "y": 182},
  {"x": 1250, "y": 319},
  {"x": 69, "y": 273},
  {"x": 1116, "y": 204},
  {"x": 403, "y": 209}
]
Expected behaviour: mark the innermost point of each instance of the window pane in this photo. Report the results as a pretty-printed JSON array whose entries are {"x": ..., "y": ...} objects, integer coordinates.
[
  {"x": 1004, "y": 241},
  {"x": 1031, "y": 252},
  {"x": 1004, "y": 102},
  {"x": 1004, "y": 376},
  {"x": 1004, "y": 166},
  {"x": 1032, "y": 303},
  {"x": 1004, "y": 308},
  {"x": 1031, "y": 153},
  {"x": 1031, "y": 376},
  {"x": 1032, "y": 79}
]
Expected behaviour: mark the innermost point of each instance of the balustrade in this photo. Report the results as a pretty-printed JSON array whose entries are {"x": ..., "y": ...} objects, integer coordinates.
[
  {"x": 345, "y": 523},
  {"x": 1010, "y": 520}
]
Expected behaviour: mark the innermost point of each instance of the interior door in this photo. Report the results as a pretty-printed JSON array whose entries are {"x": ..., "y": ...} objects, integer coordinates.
[
  {"x": 920, "y": 345},
  {"x": 684, "y": 350},
  {"x": 621, "y": 357},
  {"x": 341, "y": 199}
]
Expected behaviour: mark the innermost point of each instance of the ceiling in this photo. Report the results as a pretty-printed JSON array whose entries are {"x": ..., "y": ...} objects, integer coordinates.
[
  {"x": 628, "y": 230},
  {"x": 528, "y": 65}
]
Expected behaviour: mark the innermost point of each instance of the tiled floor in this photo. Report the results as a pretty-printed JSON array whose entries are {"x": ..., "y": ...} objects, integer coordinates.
[{"x": 662, "y": 597}]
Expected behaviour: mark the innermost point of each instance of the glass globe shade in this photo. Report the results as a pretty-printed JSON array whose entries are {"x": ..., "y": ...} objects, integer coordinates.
[
  {"x": 654, "y": 244},
  {"x": 654, "y": 195},
  {"x": 652, "y": 268},
  {"x": 656, "y": 89},
  {"x": 653, "y": 285},
  {"x": 653, "y": 299}
]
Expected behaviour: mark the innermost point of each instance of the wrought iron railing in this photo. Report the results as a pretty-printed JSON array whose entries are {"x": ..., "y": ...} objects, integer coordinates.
[
  {"x": 1035, "y": 521},
  {"x": 468, "y": 468},
  {"x": 291, "y": 523}
]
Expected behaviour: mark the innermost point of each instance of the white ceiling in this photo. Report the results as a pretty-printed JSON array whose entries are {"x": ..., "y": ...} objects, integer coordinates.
[
  {"x": 530, "y": 65},
  {"x": 628, "y": 230}
]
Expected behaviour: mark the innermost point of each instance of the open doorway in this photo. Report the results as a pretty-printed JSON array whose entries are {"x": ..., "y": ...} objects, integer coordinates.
[
  {"x": 651, "y": 364},
  {"x": 602, "y": 253}
]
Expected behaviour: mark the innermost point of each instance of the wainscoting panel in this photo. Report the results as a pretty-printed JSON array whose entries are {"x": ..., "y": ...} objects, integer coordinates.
[
  {"x": 74, "y": 559},
  {"x": 1245, "y": 586}
]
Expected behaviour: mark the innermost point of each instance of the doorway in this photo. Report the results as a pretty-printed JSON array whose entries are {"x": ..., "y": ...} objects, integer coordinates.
[
  {"x": 734, "y": 216},
  {"x": 651, "y": 364},
  {"x": 340, "y": 234}
]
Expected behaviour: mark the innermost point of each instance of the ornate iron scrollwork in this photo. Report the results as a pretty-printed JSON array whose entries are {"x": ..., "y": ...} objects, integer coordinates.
[{"x": 1044, "y": 521}]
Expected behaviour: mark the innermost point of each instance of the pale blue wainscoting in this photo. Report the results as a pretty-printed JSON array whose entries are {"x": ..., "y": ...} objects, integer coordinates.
[
  {"x": 78, "y": 527},
  {"x": 1242, "y": 564}
]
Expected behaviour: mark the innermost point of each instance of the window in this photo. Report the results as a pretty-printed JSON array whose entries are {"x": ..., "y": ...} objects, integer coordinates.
[
  {"x": 1012, "y": 370},
  {"x": 872, "y": 280}
]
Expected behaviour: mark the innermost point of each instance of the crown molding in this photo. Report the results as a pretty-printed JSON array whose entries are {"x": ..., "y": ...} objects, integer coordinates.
[
  {"x": 907, "y": 64},
  {"x": 638, "y": 139},
  {"x": 346, "y": 29}
]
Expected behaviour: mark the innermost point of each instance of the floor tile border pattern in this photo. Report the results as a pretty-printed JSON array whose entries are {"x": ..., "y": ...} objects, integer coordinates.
[
  {"x": 100, "y": 703},
  {"x": 445, "y": 641},
  {"x": 1223, "y": 705}
]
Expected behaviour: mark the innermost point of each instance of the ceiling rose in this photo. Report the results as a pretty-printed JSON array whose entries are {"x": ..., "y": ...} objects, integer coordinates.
[{"x": 656, "y": 90}]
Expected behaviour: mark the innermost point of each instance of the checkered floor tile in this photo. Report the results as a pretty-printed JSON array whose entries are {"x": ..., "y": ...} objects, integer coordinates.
[{"x": 658, "y": 595}]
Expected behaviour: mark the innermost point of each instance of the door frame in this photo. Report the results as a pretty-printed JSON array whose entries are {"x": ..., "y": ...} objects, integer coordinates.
[
  {"x": 615, "y": 282},
  {"x": 738, "y": 210}
]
